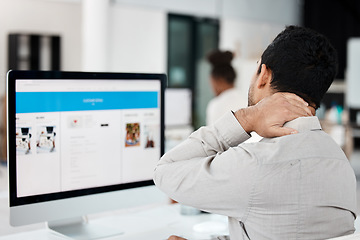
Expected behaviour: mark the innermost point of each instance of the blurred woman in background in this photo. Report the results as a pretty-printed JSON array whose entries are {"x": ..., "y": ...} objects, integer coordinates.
[{"x": 222, "y": 80}]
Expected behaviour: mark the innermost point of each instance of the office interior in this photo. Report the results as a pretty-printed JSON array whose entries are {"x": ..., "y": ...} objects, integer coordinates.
[{"x": 174, "y": 37}]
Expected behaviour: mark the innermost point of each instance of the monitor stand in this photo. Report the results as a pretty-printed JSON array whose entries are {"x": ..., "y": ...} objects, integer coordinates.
[{"x": 80, "y": 228}]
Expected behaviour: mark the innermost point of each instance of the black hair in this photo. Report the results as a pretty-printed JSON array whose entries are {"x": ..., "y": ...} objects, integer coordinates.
[
  {"x": 303, "y": 62},
  {"x": 221, "y": 65}
]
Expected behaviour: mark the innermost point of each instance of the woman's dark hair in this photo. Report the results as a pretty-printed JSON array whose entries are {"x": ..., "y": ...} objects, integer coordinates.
[
  {"x": 221, "y": 65},
  {"x": 303, "y": 62}
]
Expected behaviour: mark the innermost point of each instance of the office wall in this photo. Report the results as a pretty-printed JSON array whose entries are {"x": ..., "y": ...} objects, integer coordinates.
[
  {"x": 208, "y": 8},
  {"x": 138, "y": 39},
  {"x": 274, "y": 11},
  {"x": 42, "y": 17}
]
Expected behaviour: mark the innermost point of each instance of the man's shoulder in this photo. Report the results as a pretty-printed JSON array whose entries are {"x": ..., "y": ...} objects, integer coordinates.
[{"x": 311, "y": 144}]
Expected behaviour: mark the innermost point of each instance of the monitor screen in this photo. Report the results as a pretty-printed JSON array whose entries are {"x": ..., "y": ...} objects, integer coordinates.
[{"x": 73, "y": 135}]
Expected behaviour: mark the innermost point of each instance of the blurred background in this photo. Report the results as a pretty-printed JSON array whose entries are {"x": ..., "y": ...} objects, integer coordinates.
[{"x": 174, "y": 37}]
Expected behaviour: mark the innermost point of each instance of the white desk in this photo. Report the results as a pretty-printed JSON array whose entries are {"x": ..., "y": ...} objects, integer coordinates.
[{"x": 158, "y": 223}]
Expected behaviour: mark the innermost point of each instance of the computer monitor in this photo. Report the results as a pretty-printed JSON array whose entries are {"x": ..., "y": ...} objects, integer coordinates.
[{"x": 80, "y": 143}]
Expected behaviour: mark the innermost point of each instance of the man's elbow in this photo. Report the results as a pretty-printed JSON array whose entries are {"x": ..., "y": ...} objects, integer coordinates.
[
  {"x": 157, "y": 178},
  {"x": 164, "y": 181}
]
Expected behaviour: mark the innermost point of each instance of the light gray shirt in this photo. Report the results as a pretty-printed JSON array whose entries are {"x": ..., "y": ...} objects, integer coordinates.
[{"x": 299, "y": 186}]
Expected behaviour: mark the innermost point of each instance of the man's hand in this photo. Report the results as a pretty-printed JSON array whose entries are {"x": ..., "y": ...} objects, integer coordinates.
[
  {"x": 173, "y": 237},
  {"x": 268, "y": 116}
]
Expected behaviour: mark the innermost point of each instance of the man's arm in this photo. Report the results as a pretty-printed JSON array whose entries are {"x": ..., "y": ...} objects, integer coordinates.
[{"x": 204, "y": 170}]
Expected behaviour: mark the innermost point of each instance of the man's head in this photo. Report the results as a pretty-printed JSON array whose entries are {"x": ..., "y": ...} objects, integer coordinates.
[{"x": 299, "y": 61}]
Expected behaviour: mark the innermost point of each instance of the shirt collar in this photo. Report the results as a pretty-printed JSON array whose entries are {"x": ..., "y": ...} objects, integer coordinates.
[{"x": 302, "y": 124}]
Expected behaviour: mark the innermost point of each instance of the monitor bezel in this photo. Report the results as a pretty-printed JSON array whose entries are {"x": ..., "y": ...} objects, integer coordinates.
[{"x": 14, "y": 75}]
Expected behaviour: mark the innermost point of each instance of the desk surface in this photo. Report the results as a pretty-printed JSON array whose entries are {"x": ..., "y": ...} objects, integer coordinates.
[{"x": 157, "y": 222}]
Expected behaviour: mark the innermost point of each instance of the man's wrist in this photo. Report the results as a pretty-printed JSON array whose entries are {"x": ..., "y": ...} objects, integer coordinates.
[{"x": 245, "y": 117}]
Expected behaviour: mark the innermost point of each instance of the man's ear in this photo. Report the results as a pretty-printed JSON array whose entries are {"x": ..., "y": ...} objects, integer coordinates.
[{"x": 265, "y": 77}]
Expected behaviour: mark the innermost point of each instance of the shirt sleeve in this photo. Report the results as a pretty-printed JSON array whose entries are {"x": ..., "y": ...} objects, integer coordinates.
[{"x": 210, "y": 170}]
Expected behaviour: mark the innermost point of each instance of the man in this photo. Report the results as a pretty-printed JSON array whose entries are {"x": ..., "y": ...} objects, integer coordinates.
[{"x": 294, "y": 184}]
